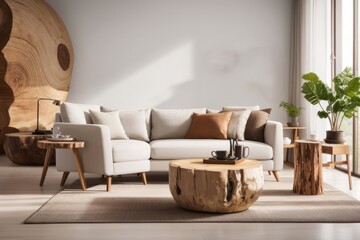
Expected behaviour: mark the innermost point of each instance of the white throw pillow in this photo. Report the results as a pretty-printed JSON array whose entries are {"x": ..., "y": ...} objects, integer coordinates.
[
  {"x": 171, "y": 123},
  {"x": 77, "y": 113},
  {"x": 135, "y": 123},
  {"x": 237, "y": 124},
  {"x": 112, "y": 120}
]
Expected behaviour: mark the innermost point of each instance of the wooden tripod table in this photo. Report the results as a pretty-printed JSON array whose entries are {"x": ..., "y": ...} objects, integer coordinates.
[
  {"x": 50, "y": 146},
  {"x": 338, "y": 149}
]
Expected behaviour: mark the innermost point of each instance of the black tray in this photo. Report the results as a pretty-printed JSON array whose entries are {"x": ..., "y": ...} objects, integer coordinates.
[{"x": 231, "y": 160}]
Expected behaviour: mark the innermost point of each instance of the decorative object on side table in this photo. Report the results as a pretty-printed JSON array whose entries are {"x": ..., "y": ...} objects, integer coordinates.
[
  {"x": 341, "y": 102},
  {"x": 295, "y": 136},
  {"x": 293, "y": 112},
  {"x": 37, "y": 130}
]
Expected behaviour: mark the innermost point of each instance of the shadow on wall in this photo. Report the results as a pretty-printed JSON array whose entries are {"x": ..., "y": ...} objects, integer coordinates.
[
  {"x": 171, "y": 80},
  {"x": 140, "y": 54}
]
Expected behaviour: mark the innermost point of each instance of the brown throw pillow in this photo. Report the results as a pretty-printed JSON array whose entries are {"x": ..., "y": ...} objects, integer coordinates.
[
  {"x": 211, "y": 125},
  {"x": 255, "y": 125}
]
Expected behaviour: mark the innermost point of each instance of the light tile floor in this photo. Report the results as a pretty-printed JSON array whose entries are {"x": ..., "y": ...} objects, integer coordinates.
[{"x": 20, "y": 196}]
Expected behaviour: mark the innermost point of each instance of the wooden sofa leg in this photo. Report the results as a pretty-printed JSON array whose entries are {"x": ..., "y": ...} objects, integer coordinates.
[
  {"x": 143, "y": 176},
  {"x": 269, "y": 172},
  {"x": 64, "y": 177},
  {"x": 276, "y": 175},
  {"x": 108, "y": 183}
]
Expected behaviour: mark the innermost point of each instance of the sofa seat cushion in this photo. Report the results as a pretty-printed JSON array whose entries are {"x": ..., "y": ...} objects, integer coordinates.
[
  {"x": 259, "y": 150},
  {"x": 201, "y": 148},
  {"x": 186, "y": 148},
  {"x": 130, "y": 150}
]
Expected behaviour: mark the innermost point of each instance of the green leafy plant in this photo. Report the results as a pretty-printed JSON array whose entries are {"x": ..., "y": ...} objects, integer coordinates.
[
  {"x": 291, "y": 109},
  {"x": 338, "y": 103}
]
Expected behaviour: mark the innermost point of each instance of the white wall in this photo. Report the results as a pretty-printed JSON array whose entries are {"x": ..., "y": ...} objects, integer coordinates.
[{"x": 169, "y": 54}]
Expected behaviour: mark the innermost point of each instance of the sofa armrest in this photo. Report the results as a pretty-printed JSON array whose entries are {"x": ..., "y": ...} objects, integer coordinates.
[
  {"x": 97, "y": 154},
  {"x": 274, "y": 137}
]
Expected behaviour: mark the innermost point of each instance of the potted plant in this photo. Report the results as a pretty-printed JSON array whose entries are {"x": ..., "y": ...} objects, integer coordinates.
[
  {"x": 335, "y": 104},
  {"x": 293, "y": 112}
]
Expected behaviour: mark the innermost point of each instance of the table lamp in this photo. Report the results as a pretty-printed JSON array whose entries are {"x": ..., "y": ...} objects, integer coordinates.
[{"x": 37, "y": 130}]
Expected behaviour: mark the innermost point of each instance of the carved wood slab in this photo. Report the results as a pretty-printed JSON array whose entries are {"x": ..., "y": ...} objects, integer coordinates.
[
  {"x": 213, "y": 187},
  {"x": 36, "y": 61}
]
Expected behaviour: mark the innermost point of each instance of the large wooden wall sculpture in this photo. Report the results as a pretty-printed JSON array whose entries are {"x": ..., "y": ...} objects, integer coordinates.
[{"x": 36, "y": 62}]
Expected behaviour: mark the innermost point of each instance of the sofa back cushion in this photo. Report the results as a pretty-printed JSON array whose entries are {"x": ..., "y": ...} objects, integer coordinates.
[
  {"x": 209, "y": 126},
  {"x": 77, "y": 113},
  {"x": 134, "y": 124},
  {"x": 171, "y": 123},
  {"x": 240, "y": 108}
]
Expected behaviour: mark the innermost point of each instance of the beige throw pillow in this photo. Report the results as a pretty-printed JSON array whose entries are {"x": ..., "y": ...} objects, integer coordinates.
[
  {"x": 112, "y": 120},
  {"x": 237, "y": 124}
]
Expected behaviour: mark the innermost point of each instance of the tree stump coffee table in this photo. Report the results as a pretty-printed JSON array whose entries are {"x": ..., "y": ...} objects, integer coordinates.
[{"x": 220, "y": 188}]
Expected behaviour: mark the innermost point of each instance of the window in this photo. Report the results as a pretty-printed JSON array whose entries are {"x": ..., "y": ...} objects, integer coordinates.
[{"x": 345, "y": 49}]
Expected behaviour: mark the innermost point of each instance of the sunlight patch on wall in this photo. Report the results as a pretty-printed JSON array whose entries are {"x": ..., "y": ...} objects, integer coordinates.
[{"x": 156, "y": 83}]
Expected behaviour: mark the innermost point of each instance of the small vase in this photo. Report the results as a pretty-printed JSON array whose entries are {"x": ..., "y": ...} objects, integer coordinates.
[
  {"x": 335, "y": 137},
  {"x": 293, "y": 122}
]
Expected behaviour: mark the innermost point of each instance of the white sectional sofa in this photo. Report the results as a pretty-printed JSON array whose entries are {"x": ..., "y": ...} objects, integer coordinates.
[{"x": 149, "y": 139}]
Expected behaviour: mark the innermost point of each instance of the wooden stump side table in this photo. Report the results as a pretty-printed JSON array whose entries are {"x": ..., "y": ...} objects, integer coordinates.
[
  {"x": 308, "y": 168},
  {"x": 219, "y": 188},
  {"x": 21, "y": 148},
  {"x": 50, "y": 146}
]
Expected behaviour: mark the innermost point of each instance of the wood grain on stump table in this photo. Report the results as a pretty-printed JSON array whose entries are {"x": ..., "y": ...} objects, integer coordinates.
[
  {"x": 308, "y": 168},
  {"x": 21, "y": 148},
  {"x": 218, "y": 188}
]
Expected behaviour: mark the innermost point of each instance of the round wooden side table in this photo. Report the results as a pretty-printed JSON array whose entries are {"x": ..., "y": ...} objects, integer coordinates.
[
  {"x": 21, "y": 148},
  {"x": 50, "y": 146},
  {"x": 219, "y": 188}
]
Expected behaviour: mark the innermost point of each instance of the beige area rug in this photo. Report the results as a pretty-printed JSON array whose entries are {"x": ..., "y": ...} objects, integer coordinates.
[{"x": 132, "y": 202}]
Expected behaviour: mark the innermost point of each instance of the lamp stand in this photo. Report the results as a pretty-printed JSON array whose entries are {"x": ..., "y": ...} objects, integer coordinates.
[{"x": 37, "y": 130}]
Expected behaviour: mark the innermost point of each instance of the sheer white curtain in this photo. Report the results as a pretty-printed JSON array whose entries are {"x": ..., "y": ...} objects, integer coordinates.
[{"x": 311, "y": 50}]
